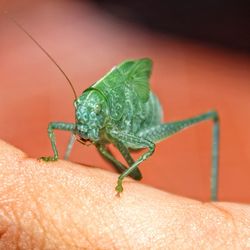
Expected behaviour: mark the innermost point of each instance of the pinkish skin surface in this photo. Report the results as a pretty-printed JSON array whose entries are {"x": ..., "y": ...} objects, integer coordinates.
[{"x": 62, "y": 205}]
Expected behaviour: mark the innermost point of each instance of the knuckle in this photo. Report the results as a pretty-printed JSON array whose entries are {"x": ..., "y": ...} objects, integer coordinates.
[{"x": 19, "y": 227}]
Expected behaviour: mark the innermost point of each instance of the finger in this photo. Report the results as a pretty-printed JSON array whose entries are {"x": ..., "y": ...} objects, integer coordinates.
[{"x": 63, "y": 205}]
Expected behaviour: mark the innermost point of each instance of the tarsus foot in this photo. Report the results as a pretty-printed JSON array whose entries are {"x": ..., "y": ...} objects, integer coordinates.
[
  {"x": 48, "y": 158},
  {"x": 119, "y": 187}
]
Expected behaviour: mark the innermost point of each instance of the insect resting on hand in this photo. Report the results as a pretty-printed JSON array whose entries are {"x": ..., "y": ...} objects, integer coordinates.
[{"x": 121, "y": 109}]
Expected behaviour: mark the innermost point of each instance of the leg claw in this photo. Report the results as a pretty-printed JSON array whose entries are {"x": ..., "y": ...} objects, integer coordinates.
[
  {"x": 119, "y": 187},
  {"x": 48, "y": 158}
]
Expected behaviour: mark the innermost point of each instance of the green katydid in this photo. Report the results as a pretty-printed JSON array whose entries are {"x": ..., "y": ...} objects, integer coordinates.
[{"x": 120, "y": 109}]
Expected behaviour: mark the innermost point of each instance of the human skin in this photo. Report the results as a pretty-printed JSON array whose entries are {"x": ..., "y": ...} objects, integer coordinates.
[{"x": 62, "y": 205}]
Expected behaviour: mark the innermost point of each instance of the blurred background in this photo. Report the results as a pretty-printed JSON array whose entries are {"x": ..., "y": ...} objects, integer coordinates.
[{"x": 201, "y": 62}]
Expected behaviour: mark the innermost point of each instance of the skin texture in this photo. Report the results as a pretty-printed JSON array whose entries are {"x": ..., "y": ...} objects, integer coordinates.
[{"x": 62, "y": 205}]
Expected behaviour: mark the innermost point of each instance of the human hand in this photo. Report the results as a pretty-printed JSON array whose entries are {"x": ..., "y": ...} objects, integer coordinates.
[{"x": 62, "y": 205}]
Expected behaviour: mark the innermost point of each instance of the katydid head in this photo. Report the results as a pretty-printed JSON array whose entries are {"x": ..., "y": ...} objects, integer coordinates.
[{"x": 91, "y": 111}]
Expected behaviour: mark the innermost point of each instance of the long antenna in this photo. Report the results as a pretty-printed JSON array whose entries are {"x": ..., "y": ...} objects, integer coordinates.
[{"x": 40, "y": 46}]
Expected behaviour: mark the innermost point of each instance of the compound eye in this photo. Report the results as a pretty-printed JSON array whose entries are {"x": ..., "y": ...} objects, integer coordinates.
[{"x": 97, "y": 108}]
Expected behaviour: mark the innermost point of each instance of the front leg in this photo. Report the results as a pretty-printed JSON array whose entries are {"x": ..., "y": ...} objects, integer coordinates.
[
  {"x": 134, "y": 142},
  {"x": 58, "y": 126},
  {"x": 107, "y": 155},
  {"x": 69, "y": 146},
  {"x": 136, "y": 174}
]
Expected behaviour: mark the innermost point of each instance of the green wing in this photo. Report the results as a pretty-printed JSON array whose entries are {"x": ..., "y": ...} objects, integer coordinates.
[{"x": 135, "y": 74}]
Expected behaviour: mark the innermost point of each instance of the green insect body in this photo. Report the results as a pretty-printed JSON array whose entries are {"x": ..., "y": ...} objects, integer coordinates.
[{"x": 120, "y": 109}]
